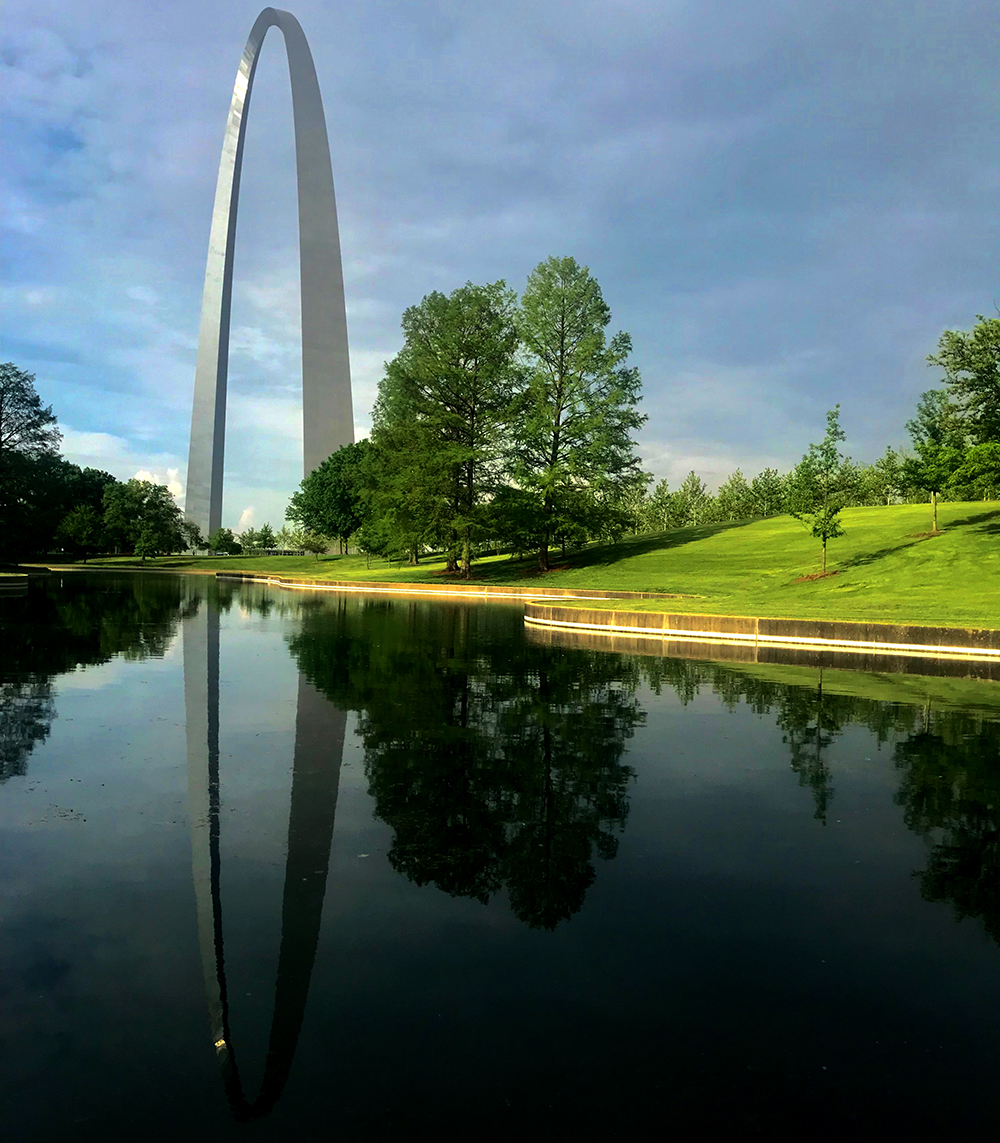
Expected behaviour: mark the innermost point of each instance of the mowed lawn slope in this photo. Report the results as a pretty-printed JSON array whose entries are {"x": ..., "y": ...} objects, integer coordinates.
[{"x": 887, "y": 568}]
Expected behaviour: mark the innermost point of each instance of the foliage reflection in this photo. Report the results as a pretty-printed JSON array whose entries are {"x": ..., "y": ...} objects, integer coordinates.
[
  {"x": 61, "y": 624},
  {"x": 497, "y": 768}
]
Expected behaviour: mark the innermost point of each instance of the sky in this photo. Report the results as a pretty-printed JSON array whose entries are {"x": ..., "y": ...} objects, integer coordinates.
[{"x": 784, "y": 204}]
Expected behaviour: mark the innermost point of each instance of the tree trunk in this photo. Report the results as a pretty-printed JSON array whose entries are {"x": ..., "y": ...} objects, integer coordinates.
[
  {"x": 466, "y": 555},
  {"x": 934, "y": 509},
  {"x": 824, "y": 556}
]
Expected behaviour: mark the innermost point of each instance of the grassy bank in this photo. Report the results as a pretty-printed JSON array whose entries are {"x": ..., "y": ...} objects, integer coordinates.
[{"x": 886, "y": 568}]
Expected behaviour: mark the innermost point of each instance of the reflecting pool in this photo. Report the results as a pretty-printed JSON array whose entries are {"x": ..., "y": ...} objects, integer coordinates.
[{"x": 306, "y": 866}]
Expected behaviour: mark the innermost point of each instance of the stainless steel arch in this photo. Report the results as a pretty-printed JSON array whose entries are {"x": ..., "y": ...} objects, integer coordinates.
[{"x": 327, "y": 413}]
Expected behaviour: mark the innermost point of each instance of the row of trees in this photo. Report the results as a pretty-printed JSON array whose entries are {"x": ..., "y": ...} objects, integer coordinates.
[
  {"x": 507, "y": 423},
  {"x": 509, "y": 426},
  {"x": 501, "y": 421},
  {"x": 47, "y": 503}
]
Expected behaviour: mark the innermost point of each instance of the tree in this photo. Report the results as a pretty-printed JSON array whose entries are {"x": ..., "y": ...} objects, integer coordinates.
[
  {"x": 27, "y": 429},
  {"x": 768, "y": 493},
  {"x": 330, "y": 500},
  {"x": 815, "y": 495},
  {"x": 735, "y": 499},
  {"x": 141, "y": 515},
  {"x": 939, "y": 439},
  {"x": 692, "y": 501},
  {"x": 82, "y": 530},
  {"x": 979, "y": 471},
  {"x": 576, "y": 410},
  {"x": 661, "y": 506},
  {"x": 265, "y": 537},
  {"x": 971, "y": 364},
  {"x": 38, "y": 488},
  {"x": 192, "y": 534},
  {"x": 888, "y": 476},
  {"x": 315, "y": 544},
  {"x": 441, "y": 419},
  {"x": 223, "y": 540}
]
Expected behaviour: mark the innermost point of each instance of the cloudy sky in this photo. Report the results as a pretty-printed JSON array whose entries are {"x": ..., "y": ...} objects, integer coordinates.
[{"x": 784, "y": 203}]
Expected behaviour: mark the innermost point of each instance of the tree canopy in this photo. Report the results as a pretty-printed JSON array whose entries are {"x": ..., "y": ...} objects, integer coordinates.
[
  {"x": 971, "y": 364},
  {"x": 816, "y": 490},
  {"x": 575, "y": 416}
]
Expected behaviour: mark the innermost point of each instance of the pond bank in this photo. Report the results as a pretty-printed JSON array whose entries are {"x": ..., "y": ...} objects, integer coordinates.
[{"x": 896, "y": 646}]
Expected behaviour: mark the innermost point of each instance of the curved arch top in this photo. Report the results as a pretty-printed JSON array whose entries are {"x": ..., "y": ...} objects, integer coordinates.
[{"x": 327, "y": 413}]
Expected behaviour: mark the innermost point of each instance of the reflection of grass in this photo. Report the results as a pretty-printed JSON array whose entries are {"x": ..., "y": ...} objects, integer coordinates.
[
  {"x": 885, "y": 572},
  {"x": 917, "y": 690}
]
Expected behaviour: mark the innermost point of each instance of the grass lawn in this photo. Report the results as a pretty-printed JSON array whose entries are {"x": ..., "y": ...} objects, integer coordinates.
[{"x": 887, "y": 568}]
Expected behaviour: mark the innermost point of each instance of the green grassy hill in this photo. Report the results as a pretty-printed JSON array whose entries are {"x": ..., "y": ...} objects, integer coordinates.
[{"x": 887, "y": 568}]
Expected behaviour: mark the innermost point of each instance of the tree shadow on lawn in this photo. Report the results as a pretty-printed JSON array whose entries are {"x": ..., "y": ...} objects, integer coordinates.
[
  {"x": 863, "y": 559},
  {"x": 989, "y": 521},
  {"x": 604, "y": 555}
]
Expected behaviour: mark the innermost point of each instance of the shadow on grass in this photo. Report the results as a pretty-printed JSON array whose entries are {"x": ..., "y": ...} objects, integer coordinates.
[
  {"x": 863, "y": 559},
  {"x": 600, "y": 555},
  {"x": 990, "y": 522}
]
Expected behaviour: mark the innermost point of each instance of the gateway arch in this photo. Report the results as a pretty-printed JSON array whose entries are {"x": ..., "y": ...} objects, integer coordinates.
[{"x": 327, "y": 414}]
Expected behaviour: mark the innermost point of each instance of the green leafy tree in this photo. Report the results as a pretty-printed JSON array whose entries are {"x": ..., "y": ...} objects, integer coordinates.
[
  {"x": 692, "y": 502},
  {"x": 266, "y": 538},
  {"x": 81, "y": 530},
  {"x": 576, "y": 413},
  {"x": 888, "y": 479},
  {"x": 144, "y": 517},
  {"x": 767, "y": 490},
  {"x": 979, "y": 472},
  {"x": 441, "y": 419},
  {"x": 192, "y": 535},
  {"x": 939, "y": 441},
  {"x": 661, "y": 507},
  {"x": 330, "y": 500},
  {"x": 38, "y": 488},
  {"x": 815, "y": 495},
  {"x": 971, "y": 364},
  {"x": 27, "y": 428},
  {"x": 316, "y": 544},
  {"x": 735, "y": 499},
  {"x": 223, "y": 540}
]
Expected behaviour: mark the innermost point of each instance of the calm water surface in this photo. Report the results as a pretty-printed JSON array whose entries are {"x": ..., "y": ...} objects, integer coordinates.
[{"x": 285, "y": 866}]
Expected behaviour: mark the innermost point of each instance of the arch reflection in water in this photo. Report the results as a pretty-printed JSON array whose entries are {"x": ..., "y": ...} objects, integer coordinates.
[{"x": 319, "y": 741}]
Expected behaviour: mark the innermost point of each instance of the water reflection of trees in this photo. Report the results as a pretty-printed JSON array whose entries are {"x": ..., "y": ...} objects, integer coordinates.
[
  {"x": 950, "y": 793},
  {"x": 949, "y": 762},
  {"x": 496, "y": 766},
  {"x": 809, "y": 716},
  {"x": 61, "y": 624}
]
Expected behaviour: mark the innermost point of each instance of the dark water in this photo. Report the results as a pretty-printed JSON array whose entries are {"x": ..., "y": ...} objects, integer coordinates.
[{"x": 292, "y": 866}]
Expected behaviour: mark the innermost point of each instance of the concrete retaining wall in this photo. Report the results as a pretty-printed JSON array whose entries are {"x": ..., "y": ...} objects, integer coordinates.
[
  {"x": 774, "y": 654},
  {"x": 818, "y": 634},
  {"x": 474, "y": 590}
]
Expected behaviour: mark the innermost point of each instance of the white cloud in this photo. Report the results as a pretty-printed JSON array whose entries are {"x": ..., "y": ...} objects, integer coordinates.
[
  {"x": 121, "y": 457},
  {"x": 246, "y": 519},
  {"x": 174, "y": 486}
]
